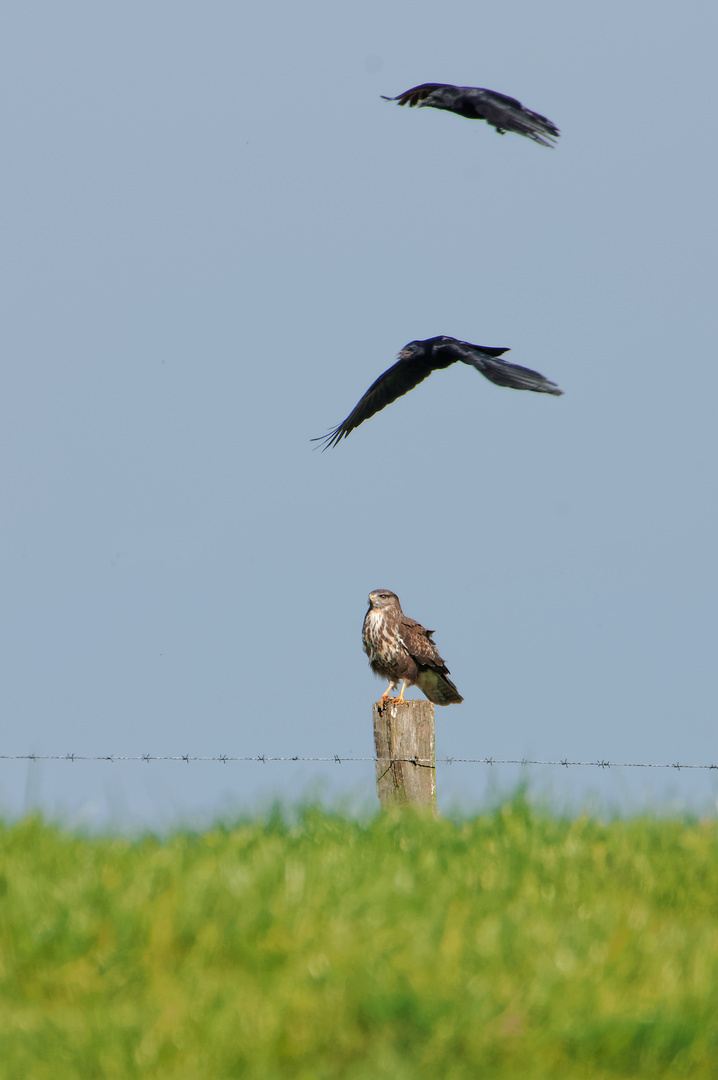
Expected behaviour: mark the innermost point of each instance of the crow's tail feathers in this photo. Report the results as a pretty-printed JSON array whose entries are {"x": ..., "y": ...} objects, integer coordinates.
[{"x": 531, "y": 124}]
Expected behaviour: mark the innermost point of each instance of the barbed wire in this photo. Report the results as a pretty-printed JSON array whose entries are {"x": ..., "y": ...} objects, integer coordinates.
[{"x": 341, "y": 759}]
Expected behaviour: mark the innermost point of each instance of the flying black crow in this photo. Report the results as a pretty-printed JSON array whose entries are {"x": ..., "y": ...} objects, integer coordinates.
[
  {"x": 503, "y": 113},
  {"x": 418, "y": 359}
]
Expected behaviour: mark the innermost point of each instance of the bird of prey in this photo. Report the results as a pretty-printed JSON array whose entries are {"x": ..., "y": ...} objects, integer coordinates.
[
  {"x": 418, "y": 359},
  {"x": 400, "y": 648},
  {"x": 501, "y": 112}
]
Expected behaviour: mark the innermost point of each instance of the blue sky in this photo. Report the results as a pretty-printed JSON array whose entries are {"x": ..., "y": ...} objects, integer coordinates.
[{"x": 216, "y": 235}]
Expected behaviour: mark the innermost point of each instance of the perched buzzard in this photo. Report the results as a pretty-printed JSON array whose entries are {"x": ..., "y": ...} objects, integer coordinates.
[
  {"x": 418, "y": 359},
  {"x": 399, "y": 648},
  {"x": 503, "y": 113}
]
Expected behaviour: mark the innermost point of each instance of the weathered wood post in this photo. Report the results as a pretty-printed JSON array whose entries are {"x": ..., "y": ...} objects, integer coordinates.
[{"x": 405, "y": 754}]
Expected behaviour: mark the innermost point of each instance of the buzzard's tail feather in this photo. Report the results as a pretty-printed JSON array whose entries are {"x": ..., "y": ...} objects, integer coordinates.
[{"x": 438, "y": 688}]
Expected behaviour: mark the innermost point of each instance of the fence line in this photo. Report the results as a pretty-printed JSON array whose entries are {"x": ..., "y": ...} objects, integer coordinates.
[{"x": 340, "y": 759}]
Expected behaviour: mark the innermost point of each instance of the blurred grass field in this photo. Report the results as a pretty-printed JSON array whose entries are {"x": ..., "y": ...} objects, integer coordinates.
[{"x": 511, "y": 945}]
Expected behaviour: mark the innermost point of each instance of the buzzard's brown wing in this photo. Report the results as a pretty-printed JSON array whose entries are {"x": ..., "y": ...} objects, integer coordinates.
[
  {"x": 432, "y": 678},
  {"x": 418, "y": 642}
]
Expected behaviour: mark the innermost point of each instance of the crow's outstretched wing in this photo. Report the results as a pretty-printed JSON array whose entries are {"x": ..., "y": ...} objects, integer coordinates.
[
  {"x": 508, "y": 114},
  {"x": 502, "y": 372},
  {"x": 399, "y": 379},
  {"x": 417, "y": 94}
]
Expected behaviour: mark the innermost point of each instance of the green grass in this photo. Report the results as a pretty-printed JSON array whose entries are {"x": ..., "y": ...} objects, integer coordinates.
[{"x": 512, "y": 945}]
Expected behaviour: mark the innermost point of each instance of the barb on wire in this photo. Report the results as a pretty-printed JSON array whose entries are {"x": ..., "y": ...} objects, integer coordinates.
[{"x": 340, "y": 759}]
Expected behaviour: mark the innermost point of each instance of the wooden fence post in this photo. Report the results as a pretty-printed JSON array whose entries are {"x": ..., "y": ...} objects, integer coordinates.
[{"x": 405, "y": 754}]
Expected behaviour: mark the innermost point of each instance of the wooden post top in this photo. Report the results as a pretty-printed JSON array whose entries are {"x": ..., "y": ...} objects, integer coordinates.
[{"x": 405, "y": 751}]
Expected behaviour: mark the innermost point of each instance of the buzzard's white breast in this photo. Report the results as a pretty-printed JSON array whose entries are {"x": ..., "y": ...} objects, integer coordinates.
[{"x": 382, "y": 643}]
